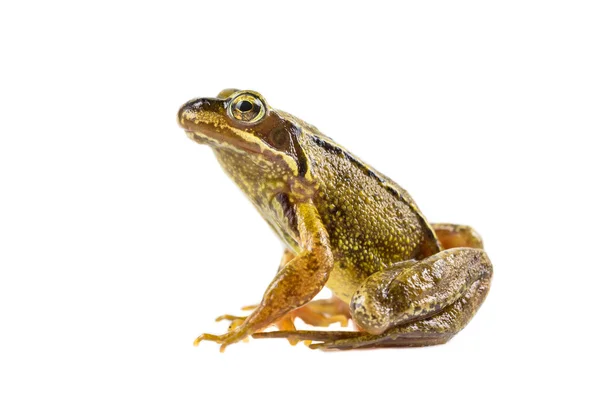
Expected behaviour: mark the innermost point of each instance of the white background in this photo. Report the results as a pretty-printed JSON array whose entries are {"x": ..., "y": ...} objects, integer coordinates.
[{"x": 121, "y": 240}]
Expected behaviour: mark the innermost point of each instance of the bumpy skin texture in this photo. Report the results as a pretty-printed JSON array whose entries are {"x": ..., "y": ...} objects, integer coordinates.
[
  {"x": 371, "y": 221},
  {"x": 345, "y": 225}
]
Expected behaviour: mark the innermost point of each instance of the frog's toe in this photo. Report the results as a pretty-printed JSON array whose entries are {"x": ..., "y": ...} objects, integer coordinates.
[
  {"x": 229, "y": 317},
  {"x": 225, "y": 340},
  {"x": 206, "y": 336},
  {"x": 319, "y": 319},
  {"x": 286, "y": 324},
  {"x": 235, "y": 320}
]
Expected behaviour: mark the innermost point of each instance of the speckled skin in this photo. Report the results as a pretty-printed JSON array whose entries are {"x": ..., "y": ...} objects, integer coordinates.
[
  {"x": 349, "y": 227},
  {"x": 371, "y": 221}
]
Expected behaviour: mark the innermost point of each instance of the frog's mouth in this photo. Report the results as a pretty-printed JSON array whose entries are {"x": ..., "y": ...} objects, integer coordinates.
[
  {"x": 229, "y": 141},
  {"x": 200, "y": 138}
]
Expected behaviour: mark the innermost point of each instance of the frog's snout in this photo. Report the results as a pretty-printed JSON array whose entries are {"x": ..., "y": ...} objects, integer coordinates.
[
  {"x": 187, "y": 114},
  {"x": 197, "y": 112}
]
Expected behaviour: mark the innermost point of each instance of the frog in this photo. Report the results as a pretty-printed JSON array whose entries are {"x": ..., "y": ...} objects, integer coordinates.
[{"x": 402, "y": 281}]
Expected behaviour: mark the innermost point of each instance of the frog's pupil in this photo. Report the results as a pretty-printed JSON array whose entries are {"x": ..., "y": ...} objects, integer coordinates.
[{"x": 244, "y": 106}]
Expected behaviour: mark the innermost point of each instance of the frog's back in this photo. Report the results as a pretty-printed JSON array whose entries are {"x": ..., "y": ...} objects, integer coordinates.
[{"x": 372, "y": 222}]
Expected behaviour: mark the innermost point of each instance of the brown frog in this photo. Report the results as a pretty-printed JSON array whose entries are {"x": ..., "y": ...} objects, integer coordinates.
[{"x": 402, "y": 280}]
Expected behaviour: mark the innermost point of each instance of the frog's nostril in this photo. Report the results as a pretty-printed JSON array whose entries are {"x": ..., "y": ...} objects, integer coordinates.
[
  {"x": 188, "y": 113},
  {"x": 185, "y": 115},
  {"x": 191, "y": 112}
]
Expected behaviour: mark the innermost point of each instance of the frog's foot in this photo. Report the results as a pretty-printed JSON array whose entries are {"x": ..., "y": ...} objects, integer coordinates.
[
  {"x": 231, "y": 337},
  {"x": 350, "y": 340},
  {"x": 236, "y": 321},
  {"x": 286, "y": 323}
]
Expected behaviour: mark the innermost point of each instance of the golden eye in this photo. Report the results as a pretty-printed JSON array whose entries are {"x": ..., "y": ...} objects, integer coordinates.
[{"x": 247, "y": 108}]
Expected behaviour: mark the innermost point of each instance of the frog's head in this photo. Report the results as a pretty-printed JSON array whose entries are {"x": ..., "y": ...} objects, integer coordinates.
[{"x": 242, "y": 121}]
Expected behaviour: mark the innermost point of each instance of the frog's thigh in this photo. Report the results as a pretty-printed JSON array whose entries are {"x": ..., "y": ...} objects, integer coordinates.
[
  {"x": 418, "y": 290},
  {"x": 452, "y": 235},
  {"x": 434, "y": 330}
]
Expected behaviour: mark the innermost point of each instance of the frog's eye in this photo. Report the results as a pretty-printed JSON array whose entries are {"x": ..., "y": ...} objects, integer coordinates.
[{"x": 247, "y": 108}]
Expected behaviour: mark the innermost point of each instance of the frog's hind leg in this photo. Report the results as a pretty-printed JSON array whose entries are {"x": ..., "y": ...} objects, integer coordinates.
[
  {"x": 434, "y": 330},
  {"x": 415, "y": 303},
  {"x": 320, "y": 336},
  {"x": 423, "y": 302}
]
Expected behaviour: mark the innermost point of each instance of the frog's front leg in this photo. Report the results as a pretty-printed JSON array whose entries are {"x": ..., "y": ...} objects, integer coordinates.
[
  {"x": 295, "y": 284},
  {"x": 414, "y": 303},
  {"x": 283, "y": 323},
  {"x": 321, "y": 313}
]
